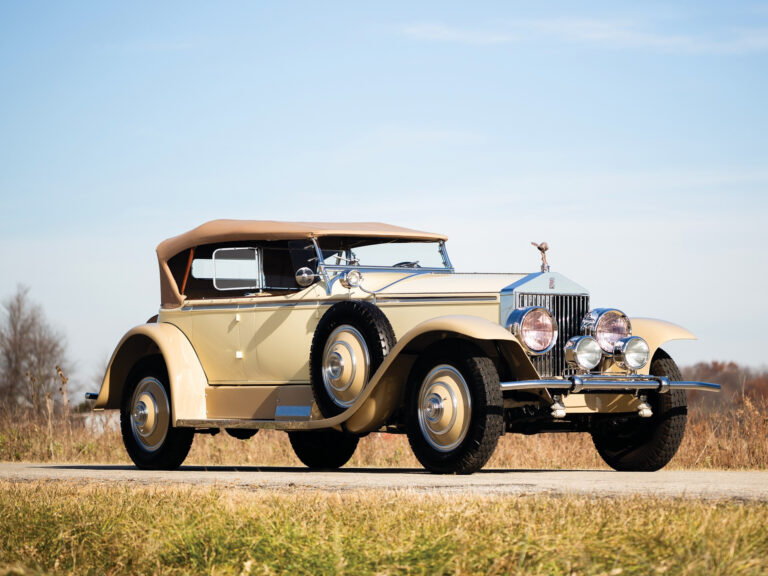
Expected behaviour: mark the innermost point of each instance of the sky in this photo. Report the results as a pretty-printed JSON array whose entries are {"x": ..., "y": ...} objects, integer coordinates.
[{"x": 632, "y": 137}]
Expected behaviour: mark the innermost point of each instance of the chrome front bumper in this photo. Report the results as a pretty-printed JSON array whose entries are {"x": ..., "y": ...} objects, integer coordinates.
[{"x": 609, "y": 383}]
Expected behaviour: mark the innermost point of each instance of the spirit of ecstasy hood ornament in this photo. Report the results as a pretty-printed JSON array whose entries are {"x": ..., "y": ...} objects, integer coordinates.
[{"x": 543, "y": 247}]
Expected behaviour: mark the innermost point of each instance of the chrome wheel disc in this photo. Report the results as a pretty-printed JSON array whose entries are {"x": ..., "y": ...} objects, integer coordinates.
[
  {"x": 444, "y": 408},
  {"x": 150, "y": 414},
  {"x": 346, "y": 363}
]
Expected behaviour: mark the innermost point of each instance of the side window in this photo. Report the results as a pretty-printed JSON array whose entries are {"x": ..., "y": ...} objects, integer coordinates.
[{"x": 231, "y": 269}]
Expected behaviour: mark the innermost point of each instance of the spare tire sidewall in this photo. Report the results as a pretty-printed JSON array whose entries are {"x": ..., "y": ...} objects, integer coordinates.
[{"x": 367, "y": 322}]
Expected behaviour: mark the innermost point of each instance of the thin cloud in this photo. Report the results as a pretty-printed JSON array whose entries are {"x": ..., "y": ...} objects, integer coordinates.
[{"x": 601, "y": 32}]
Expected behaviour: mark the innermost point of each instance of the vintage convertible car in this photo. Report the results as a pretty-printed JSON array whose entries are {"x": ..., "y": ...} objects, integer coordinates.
[{"x": 333, "y": 331}]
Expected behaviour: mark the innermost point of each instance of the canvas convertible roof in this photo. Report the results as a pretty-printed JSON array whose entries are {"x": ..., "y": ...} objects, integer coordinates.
[
  {"x": 234, "y": 230},
  {"x": 217, "y": 231}
]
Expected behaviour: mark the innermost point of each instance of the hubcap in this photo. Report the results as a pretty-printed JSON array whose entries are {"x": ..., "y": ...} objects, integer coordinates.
[
  {"x": 140, "y": 413},
  {"x": 150, "y": 414},
  {"x": 335, "y": 365},
  {"x": 444, "y": 408},
  {"x": 346, "y": 364},
  {"x": 433, "y": 407}
]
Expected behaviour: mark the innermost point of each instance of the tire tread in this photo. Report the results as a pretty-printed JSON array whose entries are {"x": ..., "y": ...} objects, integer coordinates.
[
  {"x": 178, "y": 441},
  {"x": 483, "y": 436},
  {"x": 666, "y": 434}
]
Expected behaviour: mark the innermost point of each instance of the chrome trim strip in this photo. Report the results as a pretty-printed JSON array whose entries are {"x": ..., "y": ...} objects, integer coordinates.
[
  {"x": 442, "y": 299},
  {"x": 365, "y": 268},
  {"x": 576, "y": 384},
  {"x": 263, "y": 305},
  {"x": 315, "y": 303}
]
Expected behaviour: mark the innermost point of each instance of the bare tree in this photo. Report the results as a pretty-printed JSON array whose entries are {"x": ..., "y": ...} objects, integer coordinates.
[{"x": 30, "y": 351}]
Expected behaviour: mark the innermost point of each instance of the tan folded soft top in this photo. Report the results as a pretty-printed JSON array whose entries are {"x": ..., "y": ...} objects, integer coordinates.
[{"x": 217, "y": 231}]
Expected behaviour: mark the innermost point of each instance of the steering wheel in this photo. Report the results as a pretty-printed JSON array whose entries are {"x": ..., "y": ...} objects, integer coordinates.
[{"x": 407, "y": 264}]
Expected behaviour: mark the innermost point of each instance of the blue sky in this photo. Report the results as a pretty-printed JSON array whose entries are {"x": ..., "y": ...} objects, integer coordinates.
[{"x": 632, "y": 137}]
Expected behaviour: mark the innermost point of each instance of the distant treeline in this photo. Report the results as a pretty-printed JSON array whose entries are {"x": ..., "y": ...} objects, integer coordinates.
[{"x": 738, "y": 383}]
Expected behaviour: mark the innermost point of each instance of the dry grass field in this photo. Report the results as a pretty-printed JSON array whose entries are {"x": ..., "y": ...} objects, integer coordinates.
[
  {"x": 50, "y": 527},
  {"x": 728, "y": 430},
  {"x": 93, "y": 529},
  {"x": 736, "y": 438}
]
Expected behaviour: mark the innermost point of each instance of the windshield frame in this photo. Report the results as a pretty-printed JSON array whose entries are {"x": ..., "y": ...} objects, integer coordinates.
[{"x": 330, "y": 272}]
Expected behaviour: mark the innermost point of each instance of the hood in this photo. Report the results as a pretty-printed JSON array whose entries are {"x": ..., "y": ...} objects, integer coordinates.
[{"x": 460, "y": 283}]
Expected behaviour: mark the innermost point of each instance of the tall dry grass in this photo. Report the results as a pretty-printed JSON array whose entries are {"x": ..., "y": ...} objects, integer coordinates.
[{"x": 733, "y": 438}]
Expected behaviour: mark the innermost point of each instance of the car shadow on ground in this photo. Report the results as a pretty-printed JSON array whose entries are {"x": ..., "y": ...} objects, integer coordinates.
[{"x": 304, "y": 470}]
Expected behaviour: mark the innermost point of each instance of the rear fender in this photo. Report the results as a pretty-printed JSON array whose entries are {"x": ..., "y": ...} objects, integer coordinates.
[
  {"x": 388, "y": 383},
  {"x": 185, "y": 374}
]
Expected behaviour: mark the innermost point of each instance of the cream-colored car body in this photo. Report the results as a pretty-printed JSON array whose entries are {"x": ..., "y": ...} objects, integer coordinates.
[{"x": 244, "y": 362}]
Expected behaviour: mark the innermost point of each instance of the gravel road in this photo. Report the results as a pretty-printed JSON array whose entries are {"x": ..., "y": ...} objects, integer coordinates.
[{"x": 734, "y": 485}]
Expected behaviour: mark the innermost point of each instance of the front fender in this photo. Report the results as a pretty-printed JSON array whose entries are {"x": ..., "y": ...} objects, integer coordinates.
[
  {"x": 388, "y": 383},
  {"x": 657, "y": 333},
  {"x": 185, "y": 373}
]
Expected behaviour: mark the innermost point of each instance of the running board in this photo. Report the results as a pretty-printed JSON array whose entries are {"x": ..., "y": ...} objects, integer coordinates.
[{"x": 259, "y": 424}]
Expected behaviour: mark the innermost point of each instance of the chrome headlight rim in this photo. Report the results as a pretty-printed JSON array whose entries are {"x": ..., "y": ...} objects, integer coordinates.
[
  {"x": 592, "y": 324},
  {"x": 576, "y": 354},
  {"x": 515, "y": 324},
  {"x": 625, "y": 347}
]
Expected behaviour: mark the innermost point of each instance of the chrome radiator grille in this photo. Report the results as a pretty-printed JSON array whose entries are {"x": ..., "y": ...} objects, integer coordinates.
[{"x": 568, "y": 310}]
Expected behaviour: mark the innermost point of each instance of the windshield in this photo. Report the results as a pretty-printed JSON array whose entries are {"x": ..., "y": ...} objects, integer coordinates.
[{"x": 386, "y": 254}]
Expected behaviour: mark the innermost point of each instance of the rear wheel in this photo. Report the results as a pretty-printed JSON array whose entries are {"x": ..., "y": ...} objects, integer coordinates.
[
  {"x": 454, "y": 409},
  {"x": 150, "y": 439},
  {"x": 323, "y": 449},
  {"x": 646, "y": 444}
]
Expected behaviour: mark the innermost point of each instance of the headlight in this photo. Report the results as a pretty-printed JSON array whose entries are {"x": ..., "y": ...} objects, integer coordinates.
[
  {"x": 583, "y": 352},
  {"x": 535, "y": 327},
  {"x": 607, "y": 326},
  {"x": 631, "y": 353}
]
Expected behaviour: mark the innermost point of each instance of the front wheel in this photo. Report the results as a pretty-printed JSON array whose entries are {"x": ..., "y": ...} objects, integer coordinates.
[
  {"x": 634, "y": 444},
  {"x": 454, "y": 409},
  {"x": 323, "y": 449},
  {"x": 150, "y": 439}
]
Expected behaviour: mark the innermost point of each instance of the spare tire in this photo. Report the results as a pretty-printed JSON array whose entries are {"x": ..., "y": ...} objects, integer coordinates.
[{"x": 350, "y": 343}]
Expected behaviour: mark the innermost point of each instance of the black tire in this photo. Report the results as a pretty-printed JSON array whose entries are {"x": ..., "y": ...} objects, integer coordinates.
[
  {"x": 323, "y": 449},
  {"x": 634, "y": 444},
  {"x": 166, "y": 447},
  {"x": 467, "y": 448},
  {"x": 376, "y": 332},
  {"x": 242, "y": 433}
]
